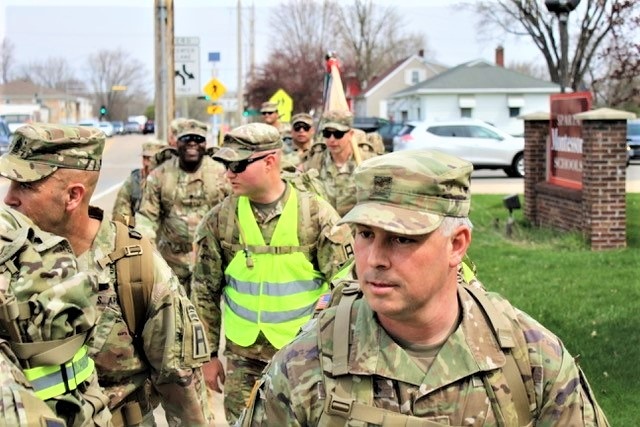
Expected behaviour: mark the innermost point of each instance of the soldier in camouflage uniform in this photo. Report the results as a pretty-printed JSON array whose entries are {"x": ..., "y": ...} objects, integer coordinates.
[
  {"x": 58, "y": 167},
  {"x": 269, "y": 251},
  {"x": 178, "y": 193},
  {"x": 302, "y": 131},
  {"x": 130, "y": 194},
  {"x": 39, "y": 280},
  {"x": 419, "y": 348},
  {"x": 335, "y": 161}
]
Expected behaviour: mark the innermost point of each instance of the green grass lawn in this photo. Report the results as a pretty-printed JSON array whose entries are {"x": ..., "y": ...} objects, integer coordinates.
[{"x": 589, "y": 299}]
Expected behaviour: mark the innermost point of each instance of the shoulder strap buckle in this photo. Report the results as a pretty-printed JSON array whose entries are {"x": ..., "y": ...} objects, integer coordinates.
[
  {"x": 337, "y": 405},
  {"x": 132, "y": 250}
]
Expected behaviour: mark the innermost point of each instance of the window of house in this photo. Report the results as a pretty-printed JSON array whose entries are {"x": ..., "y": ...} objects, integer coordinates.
[
  {"x": 466, "y": 112},
  {"x": 514, "y": 111},
  {"x": 415, "y": 77}
]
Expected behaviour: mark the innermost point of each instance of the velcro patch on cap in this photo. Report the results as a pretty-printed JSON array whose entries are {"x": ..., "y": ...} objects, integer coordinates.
[{"x": 381, "y": 187}]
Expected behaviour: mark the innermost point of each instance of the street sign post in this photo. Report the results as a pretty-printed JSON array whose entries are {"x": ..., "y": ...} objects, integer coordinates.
[
  {"x": 187, "y": 64},
  {"x": 214, "y": 88},
  {"x": 285, "y": 104}
]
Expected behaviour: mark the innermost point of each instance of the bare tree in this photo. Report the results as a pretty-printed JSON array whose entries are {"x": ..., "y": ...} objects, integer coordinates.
[
  {"x": 6, "y": 60},
  {"x": 54, "y": 73},
  {"x": 367, "y": 38},
  {"x": 372, "y": 39},
  {"x": 110, "y": 69},
  {"x": 594, "y": 22}
]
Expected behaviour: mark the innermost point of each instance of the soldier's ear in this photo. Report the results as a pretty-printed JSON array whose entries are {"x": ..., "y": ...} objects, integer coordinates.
[
  {"x": 460, "y": 240},
  {"x": 75, "y": 194}
]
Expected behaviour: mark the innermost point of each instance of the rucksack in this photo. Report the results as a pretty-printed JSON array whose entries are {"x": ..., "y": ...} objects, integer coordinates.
[
  {"x": 340, "y": 404},
  {"x": 133, "y": 258}
]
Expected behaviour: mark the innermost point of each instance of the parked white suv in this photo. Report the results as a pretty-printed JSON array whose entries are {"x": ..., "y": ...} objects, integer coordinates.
[{"x": 478, "y": 142}]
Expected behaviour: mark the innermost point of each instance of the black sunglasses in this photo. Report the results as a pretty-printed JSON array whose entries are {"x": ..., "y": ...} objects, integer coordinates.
[
  {"x": 192, "y": 138},
  {"x": 266, "y": 113},
  {"x": 241, "y": 166},
  {"x": 300, "y": 126},
  {"x": 337, "y": 134}
]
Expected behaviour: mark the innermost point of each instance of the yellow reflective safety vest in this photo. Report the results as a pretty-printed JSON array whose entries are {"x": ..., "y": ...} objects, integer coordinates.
[{"x": 277, "y": 292}]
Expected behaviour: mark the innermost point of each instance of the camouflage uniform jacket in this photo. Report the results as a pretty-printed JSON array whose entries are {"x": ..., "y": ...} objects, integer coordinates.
[
  {"x": 129, "y": 196},
  {"x": 165, "y": 353},
  {"x": 173, "y": 203},
  {"x": 333, "y": 248},
  {"x": 453, "y": 391},
  {"x": 339, "y": 184},
  {"x": 45, "y": 274}
]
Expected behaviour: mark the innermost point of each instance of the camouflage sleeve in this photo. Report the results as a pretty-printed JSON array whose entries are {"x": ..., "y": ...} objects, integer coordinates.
[
  {"x": 122, "y": 205},
  {"x": 148, "y": 217},
  {"x": 208, "y": 276},
  {"x": 19, "y": 406},
  {"x": 290, "y": 392},
  {"x": 335, "y": 242},
  {"x": 563, "y": 395},
  {"x": 176, "y": 347}
]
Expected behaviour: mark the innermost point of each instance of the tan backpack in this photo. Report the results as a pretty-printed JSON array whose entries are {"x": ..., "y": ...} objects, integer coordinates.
[{"x": 133, "y": 258}]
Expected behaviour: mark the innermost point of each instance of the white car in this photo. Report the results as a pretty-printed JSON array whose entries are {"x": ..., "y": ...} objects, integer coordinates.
[
  {"x": 478, "y": 142},
  {"x": 105, "y": 127}
]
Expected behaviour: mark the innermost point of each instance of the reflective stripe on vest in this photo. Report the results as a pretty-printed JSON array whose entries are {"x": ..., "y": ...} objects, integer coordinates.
[
  {"x": 278, "y": 295},
  {"x": 55, "y": 380}
]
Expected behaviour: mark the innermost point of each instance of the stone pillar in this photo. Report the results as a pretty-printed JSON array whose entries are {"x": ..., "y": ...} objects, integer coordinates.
[
  {"x": 536, "y": 131},
  {"x": 604, "y": 177}
]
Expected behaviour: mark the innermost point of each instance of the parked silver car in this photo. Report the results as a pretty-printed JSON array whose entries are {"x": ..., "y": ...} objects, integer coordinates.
[{"x": 478, "y": 142}]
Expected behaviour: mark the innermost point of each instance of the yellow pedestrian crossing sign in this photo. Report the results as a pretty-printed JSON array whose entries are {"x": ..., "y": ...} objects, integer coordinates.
[
  {"x": 215, "y": 89},
  {"x": 285, "y": 104}
]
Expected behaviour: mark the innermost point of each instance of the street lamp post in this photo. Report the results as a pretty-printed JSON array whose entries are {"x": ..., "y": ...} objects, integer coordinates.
[{"x": 562, "y": 8}]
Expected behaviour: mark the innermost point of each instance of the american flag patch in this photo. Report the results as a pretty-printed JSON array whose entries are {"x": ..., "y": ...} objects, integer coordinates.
[{"x": 323, "y": 301}]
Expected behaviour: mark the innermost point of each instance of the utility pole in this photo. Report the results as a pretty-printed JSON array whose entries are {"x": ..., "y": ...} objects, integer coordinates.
[
  {"x": 164, "y": 68},
  {"x": 239, "y": 91},
  {"x": 252, "y": 41}
]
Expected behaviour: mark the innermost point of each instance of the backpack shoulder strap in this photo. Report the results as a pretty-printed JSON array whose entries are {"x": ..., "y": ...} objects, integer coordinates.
[
  {"x": 515, "y": 369},
  {"x": 133, "y": 258}
]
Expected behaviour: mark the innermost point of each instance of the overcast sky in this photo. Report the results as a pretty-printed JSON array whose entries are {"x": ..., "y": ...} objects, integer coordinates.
[{"x": 74, "y": 29}]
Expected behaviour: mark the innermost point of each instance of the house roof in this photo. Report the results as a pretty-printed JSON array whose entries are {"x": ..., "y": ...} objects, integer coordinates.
[
  {"x": 478, "y": 76},
  {"x": 24, "y": 89},
  {"x": 378, "y": 81}
]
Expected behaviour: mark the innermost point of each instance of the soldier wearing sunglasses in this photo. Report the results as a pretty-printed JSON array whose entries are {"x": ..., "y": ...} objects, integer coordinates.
[
  {"x": 177, "y": 194},
  {"x": 269, "y": 251},
  {"x": 302, "y": 132},
  {"x": 334, "y": 159}
]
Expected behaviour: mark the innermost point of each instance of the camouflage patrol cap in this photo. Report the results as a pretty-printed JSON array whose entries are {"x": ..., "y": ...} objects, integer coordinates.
[
  {"x": 338, "y": 120},
  {"x": 191, "y": 127},
  {"x": 174, "y": 125},
  {"x": 152, "y": 146},
  {"x": 241, "y": 142},
  {"x": 39, "y": 149},
  {"x": 302, "y": 118},
  {"x": 269, "y": 107},
  {"x": 410, "y": 192}
]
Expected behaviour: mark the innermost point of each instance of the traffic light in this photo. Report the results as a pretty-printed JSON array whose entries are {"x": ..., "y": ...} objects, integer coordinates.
[
  {"x": 205, "y": 97},
  {"x": 561, "y": 6},
  {"x": 103, "y": 111}
]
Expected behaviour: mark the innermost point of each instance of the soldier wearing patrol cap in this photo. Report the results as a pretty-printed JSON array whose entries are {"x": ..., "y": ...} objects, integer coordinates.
[
  {"x": 271, "y": 116},
  {"x": 53, "y": 171},
  {"x": 302, "y": 132},
  {"x": 411, "y": 345},
  {"x": 128, "y": 199},
  {"x": 47, "y": 317},
  {"x": 337, "y": 157},
  {"x": 177, "y": 194},
  {"x": 269, "y": 250}
]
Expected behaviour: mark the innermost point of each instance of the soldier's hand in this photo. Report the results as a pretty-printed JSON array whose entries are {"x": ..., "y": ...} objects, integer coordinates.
[{"x": 214, "y": 374}]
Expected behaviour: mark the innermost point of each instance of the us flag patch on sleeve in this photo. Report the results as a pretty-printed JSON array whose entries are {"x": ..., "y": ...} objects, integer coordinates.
[{"x": 323, "y": 301}]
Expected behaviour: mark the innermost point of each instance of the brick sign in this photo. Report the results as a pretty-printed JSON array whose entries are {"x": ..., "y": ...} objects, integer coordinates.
[{"x": 564, "y": 147}]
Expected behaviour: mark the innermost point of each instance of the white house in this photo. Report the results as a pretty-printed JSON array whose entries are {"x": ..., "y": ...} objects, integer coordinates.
[{"x": 474, "y": 89}]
